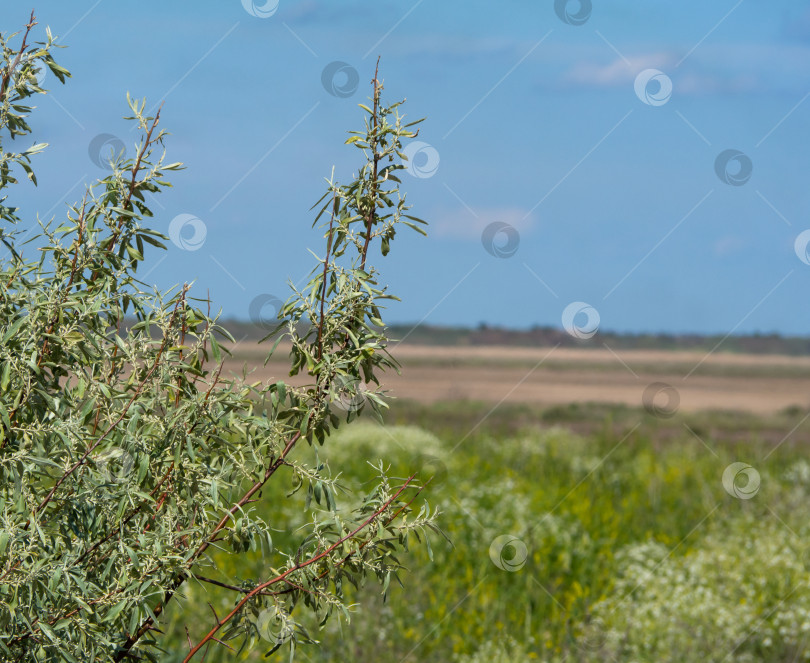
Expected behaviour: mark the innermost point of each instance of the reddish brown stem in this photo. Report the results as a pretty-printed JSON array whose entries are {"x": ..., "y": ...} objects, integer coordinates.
[
  {"x": 136, "y": 166},
  {"x": 126, "y": 520},
  {"x": 110, "y": 428},
  {"x": 10, "y": 71},
  {"x": 282, "y": 576},
  {"x": 148, "y": 623},
  {"x": 52, "y": 325},
  {"x": 325, "y": 274},
  {"x": 373, "y": 144},
  {"x": 182, "y": 342}
]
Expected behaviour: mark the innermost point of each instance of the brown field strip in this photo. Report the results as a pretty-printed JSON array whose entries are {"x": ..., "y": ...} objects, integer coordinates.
[{"x": 545, "y": 376}]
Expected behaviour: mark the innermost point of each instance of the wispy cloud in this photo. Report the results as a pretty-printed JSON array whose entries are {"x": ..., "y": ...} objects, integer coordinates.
[
  {"x": 617, "y": 73},
  {"x": 469, "y": 223},
  {"x": 739, "y": 68},
  {"x": 695, "y": 84}
]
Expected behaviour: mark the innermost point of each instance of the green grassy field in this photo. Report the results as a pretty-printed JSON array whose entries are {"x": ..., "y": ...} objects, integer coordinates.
[{"x": 579, "y": 533}]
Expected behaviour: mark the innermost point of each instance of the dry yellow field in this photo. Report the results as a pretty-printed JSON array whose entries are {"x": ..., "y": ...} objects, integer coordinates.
[{"x": 552, "y": 376}]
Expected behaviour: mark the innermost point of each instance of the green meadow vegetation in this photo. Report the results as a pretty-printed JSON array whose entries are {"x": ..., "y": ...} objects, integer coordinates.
[{"x": 627, "y": 546}]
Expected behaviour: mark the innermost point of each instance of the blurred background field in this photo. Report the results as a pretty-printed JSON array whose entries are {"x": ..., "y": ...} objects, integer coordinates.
[
  {"x": 582, "y": 529},
  {"x": 558, "y": 375}
]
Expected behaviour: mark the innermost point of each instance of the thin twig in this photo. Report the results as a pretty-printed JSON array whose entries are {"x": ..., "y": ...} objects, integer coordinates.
[
  {"x": 9, "y": 72},
  {"x": 111, "y": 427},
  {"x": 73, "y": 268},
  {"x": 282, "y": 576},
  {"x": 373, "y": 144},
  {"x": 136, "y": 166},
  {"x": 325, "y": 273},
  {"x": 209, "y": 539}
]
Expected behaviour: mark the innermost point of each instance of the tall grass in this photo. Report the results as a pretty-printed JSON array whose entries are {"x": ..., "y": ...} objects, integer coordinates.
[{"x": 634, "y": 550}]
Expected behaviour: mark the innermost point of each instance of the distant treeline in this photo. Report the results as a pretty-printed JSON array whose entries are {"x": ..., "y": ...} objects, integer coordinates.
[{"x": 549, "y": 336}]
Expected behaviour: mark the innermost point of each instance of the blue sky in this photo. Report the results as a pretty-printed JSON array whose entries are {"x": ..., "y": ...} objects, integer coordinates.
[{"x": 595, "y": 135}]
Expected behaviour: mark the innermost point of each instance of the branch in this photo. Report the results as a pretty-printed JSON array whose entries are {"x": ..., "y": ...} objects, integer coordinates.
[
  {"x": 126, "y": 519},
  {"x": 373, "y": 144},
  {"x": 148, "y": 622},
  {"x": 136, "y": 166},
  {"x": 30, "y": 634},
  {"x": 224, "y": 585},
  {"x": 66, "y": 292},
  {"x": 157, "y": 487},
  {"x": 325, "y": 272},
  {"x": 183, "y": 330},
  {"x": 387, "y": 522},
  {"x": 111, "y": 427},
  {"x": 282, "y": 576},
  {"x": 7, "y": 75}
]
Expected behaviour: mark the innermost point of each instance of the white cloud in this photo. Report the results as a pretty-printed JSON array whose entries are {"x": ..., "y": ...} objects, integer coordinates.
[
  {"x": 696, "y": 84},
  {"x": 464, "y": 223},
  {"x": 713, "y": 69},
  {"x": 618, "y": 73}
]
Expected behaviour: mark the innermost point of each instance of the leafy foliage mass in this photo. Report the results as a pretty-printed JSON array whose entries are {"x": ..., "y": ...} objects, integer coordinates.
[{"x": 126, "y": 459}]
